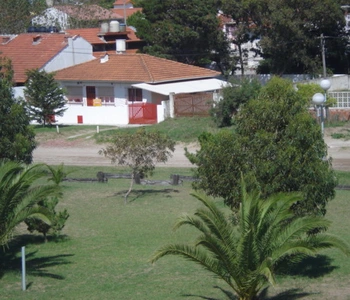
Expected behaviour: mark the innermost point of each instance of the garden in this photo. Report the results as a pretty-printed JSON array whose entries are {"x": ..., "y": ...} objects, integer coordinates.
[{"x": 105, "y": 248}]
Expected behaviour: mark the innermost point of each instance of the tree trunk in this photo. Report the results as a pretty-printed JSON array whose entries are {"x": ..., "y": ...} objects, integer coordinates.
[
  {"x": 241, "y": 58},
  {"x": 130, "y": 188}
]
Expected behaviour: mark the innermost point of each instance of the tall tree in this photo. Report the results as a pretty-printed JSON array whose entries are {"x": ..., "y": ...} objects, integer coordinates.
[
  {"x": 19, "y": 196},
  {"x": 139, "y": 151},
  {"x": 16, "y": 15},
  {"x": 277, "y": 143},
  {"x": 17, "y": 138},
  {"x": 186, "y": 31},
  {"x": 45, "y": 98},
  {"x": 245, "y": 255},
  {"x": 290, "y": 32}
]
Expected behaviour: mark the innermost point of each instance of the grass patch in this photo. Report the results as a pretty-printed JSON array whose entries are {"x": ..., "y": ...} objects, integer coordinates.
[
  {"x": 184, "y": 129},
  {"x": 107, "y": 245},
  {"x": 344, "y": 134}
]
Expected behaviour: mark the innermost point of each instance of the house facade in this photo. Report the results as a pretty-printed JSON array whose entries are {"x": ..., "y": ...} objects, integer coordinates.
[
  {"x": 44, "y": 51},
  {"x": 120, "y": 89}
]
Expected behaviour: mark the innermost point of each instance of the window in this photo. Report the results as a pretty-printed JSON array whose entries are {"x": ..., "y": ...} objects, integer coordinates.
[
  {"x": 343, "y": 99},
  {"x": 134, "y": 94}
]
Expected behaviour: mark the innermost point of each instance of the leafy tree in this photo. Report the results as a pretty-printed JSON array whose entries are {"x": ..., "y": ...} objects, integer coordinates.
[
  {"x": 278, "y": 143},
  {"x": 219, "y": 162},
  {"x": 58, "y": 219},
  {"x": 17, "y": 138},
  {"x": 139, "y": 151},
  {"x": 233, "y": 97},
  {"x": 16, "y": 15},
  {"x": 290, "y": 32},
  {"x": 244, "y": 28},
  {"x": 19, "y": 196},
  {"x": 245, "y": 255},
  {"x": 45, "y": 98},
  {"x": 186, "y": 31}
]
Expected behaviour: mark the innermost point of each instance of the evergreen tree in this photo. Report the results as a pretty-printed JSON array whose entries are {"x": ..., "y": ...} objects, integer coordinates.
[
  {"x": 45, "y": 98},
  {"x": 17, "y": 139},
  {"x": 276, "y": 143}
]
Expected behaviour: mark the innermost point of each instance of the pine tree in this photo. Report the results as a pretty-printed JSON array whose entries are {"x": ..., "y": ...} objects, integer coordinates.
[
  {"x": 45, "y": 98},
  {"x": 17, "y": 139}
]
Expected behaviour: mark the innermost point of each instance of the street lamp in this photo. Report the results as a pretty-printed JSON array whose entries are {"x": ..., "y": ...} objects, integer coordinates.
[{"x": 319, "y": 99}]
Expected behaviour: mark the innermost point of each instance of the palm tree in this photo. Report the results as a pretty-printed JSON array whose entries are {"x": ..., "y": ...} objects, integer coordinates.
[
  {"x": 244, "y": 253},
  {"x": 19, "y": 195}
]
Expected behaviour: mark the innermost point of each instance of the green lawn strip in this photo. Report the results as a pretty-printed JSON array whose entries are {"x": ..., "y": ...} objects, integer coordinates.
[
  {"x": 184, "y": 129},
  {"x": 107, "y": 246}
]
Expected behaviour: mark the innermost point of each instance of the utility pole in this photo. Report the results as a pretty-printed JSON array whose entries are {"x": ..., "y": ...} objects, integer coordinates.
[{"x": 323, "y": 55}]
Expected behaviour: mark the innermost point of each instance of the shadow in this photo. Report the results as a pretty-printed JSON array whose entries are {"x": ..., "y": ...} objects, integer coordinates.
[
  {"x": 11, "y": 261},
  {"x": 291, "y": 294},
  {"x": 312, "y": 267},
  {"x": 138, "y": 194},
  {"x": 229, "y": 295}
]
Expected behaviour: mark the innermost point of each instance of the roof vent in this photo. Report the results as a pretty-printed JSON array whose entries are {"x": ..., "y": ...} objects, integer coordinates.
[
  {"x": 37, "y": 39},
  {"x": 6, "y": 39},
  {"x": 104, "y": 58}
]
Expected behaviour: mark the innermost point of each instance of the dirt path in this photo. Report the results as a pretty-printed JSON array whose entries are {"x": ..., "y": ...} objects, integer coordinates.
[{"x": 84, "y": 152}]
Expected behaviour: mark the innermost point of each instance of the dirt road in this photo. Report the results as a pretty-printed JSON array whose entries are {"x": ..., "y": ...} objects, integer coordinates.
[{"x": 83, "y": 152}]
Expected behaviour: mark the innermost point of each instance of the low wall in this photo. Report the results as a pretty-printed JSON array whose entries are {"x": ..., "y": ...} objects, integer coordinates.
[{"x": 95, "y": 115}]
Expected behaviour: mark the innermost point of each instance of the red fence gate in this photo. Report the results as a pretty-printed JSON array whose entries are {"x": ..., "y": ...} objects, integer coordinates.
[
  {"x": 198, "y": 104},
  {"x": 142, "y": 113}
]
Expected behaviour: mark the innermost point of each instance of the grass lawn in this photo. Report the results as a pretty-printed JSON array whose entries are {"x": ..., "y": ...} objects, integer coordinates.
[{"x": 107, "y": 245}]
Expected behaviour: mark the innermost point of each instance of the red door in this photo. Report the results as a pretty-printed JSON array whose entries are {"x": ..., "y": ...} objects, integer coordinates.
[{"x": 90, "y": 95}]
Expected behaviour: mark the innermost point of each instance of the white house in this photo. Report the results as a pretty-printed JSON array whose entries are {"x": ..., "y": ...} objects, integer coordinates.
[{"x": 132, "y": 89}]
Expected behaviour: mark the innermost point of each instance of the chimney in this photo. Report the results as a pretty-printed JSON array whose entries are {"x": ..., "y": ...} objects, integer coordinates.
[
  {"x": 120, "y": 46},
  {"x": 104, "y": 58}
]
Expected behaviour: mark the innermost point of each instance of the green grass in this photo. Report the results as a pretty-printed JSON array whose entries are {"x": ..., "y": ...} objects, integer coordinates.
[
  {"x": 185, "y": 129},
  {"x": 344, "y": 134},
  {"x": 107, "y": 245}
]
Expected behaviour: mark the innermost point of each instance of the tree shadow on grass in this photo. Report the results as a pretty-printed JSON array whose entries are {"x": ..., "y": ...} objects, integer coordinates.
[
  {"x": 292, "y": 294},
  {"x": 10, "y": 258},
  {"x": 138, "y": 194},
  {"x": 312, "y": 267}
]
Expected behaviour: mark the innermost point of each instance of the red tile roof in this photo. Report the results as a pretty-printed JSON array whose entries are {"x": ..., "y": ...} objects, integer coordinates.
[
  {"x": 26, "y": 54},
  {"x": 88, "y": 12},
  {"x": 89, "y": 34},
  {"x": 121, "y": 2},
  {"x": 134, "y": 68},
  {"x": 128, "y": 11},
  {"x": 92, "y": 35}
]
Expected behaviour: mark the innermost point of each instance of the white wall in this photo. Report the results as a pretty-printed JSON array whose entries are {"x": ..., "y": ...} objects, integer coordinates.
[
  {"x": 338, "y": 82},
  {"x": 95, "y": 115},
  {"x": 78, "y": 51}
]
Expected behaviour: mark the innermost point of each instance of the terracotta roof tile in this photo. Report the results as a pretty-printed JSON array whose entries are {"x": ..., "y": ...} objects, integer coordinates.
[
  {"x": 92, "y": 35},
  {"x": 121, "y": 2},
  {"x": 26, "y": 54},
  {"x": 128, "y": 11},
  {"x": 134, "y": 68}
]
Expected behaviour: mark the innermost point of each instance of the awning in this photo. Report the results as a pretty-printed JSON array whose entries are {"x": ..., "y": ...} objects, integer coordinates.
[{"x": 191, "y": 86}]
